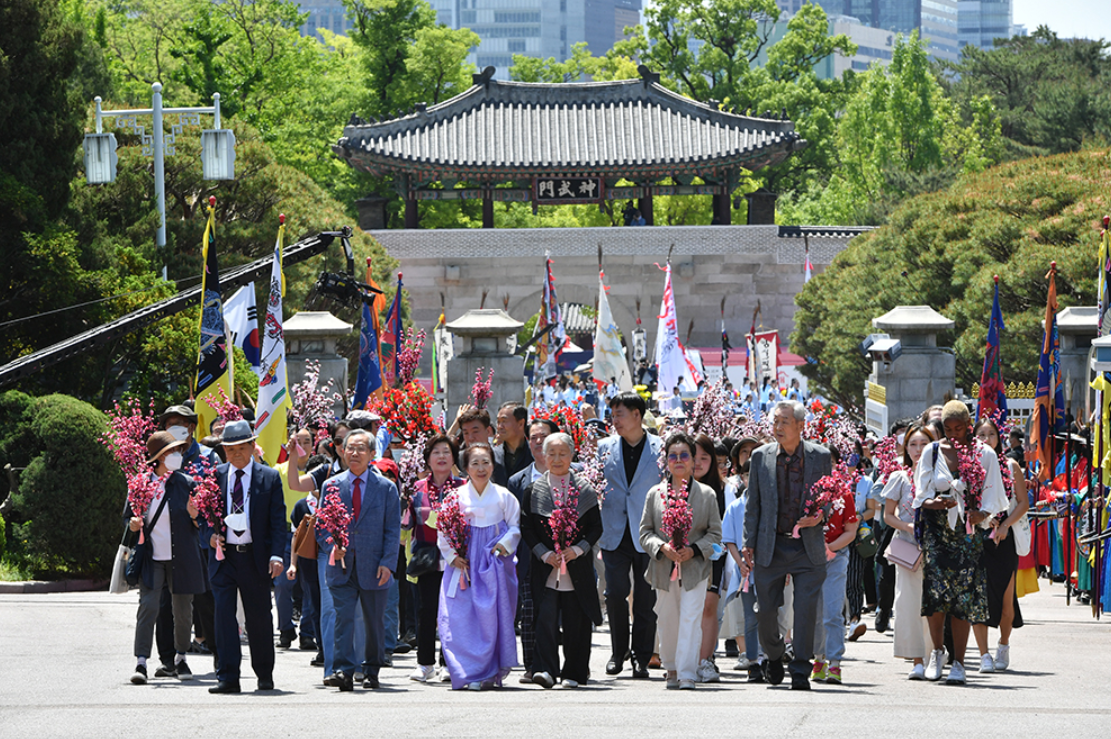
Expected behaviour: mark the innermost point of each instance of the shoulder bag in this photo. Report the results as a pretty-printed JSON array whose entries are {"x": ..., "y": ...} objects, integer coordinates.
[
  {"x": 304, "y": 538},
  {"x": 142, "y": 552},
  {"x": 904, "y": 553}
]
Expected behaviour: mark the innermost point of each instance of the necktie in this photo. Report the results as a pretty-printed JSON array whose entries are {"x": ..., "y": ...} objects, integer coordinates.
[
  {"x": 237, "y": 495},
  {"x": 357, "y": 497}
]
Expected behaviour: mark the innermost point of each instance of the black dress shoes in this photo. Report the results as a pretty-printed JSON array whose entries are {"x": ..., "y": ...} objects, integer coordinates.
[
  {"x": 371, "y": 682},
  {"x": 402, "y": 648},
  {"x": 224, "y": 687},
  {"x": 265, "y": 684},
  {"x": 333, "y": 680},
  {"x": 756, "y": 674},
  {"x": 883, "y": 620},
  {"x": 800, "y": 682},
  {"x": 773, "y": 671},
  {"x": 318, "y": 660},
  {"x": 345, "y": 683},
  {"x": 615, "y": 666},
  {"x": 285, "y": 641},
  {"x": 640, "y": 669}
]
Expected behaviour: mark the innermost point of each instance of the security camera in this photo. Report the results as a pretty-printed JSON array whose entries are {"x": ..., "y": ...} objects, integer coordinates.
[
  {"x": 885, "y": 350},
  {"x": 865, "y": 346}
]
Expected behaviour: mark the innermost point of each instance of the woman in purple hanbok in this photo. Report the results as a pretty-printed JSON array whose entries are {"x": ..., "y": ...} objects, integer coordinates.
[{"x": 478, "y": 596}]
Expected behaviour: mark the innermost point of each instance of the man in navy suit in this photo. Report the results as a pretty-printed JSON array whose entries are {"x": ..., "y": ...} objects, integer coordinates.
[
  {"x": 363, "y": 570},
  {"x": 253, "y": 544},
  {"x": 630, "y": 461}
]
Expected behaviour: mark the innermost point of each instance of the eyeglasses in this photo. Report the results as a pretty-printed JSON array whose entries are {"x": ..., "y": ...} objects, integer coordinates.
[{"x": 680, "y": 457}]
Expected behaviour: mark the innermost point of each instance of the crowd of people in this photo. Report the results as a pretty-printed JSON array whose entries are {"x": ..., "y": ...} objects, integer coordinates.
[{"x": 503, "y": 544}]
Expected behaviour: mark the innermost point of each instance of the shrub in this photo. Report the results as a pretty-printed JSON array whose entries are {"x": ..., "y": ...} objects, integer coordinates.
[{"x": 71, "y": 494}]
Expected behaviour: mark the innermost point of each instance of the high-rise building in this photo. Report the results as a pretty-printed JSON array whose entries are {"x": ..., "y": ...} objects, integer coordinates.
[
  {"x": 935, "y": 20},
  {"x": 326, "y": 14},
  {"x": 983, "y": 21}
]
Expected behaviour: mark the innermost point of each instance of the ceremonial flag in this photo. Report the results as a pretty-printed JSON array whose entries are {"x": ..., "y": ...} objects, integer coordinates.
[
  {"x": 609, "y": 356},
  {"x": 673, "y": 365},
  {"x": 368, "y": 379},
  {"x": 550, "y": 315},
  {"x": 1101, "y": 382},
  {"x": 438, "y": 335},
  {"x": 753, "y": 357},
  {"x": 724, "y": 346},
  {"x": 241, "y": 315},
  {"x": 993, "y": 395},
  {"x": 1049, "y": 400},
  {"x": 808, "y": 268},
  {"x": 391, "y": 338},
  {"x": 213, "y": 368},
  {"x": 273, "y": 387}
]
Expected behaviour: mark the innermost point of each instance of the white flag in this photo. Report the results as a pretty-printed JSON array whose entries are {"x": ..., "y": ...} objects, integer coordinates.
[
  {"x": 273, "y": 388},
  {"x": 241, "y": 318},
  {"x": 609, "y": 356},
  {"x": 673, "y": 366}
]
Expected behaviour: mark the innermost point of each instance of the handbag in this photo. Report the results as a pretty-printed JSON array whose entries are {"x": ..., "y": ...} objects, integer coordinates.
[
  {"x": 425, "y": 559},
  {"x": 304, "y": 538},
  {"x": 866, "y": 545},
  {"x": 1021, "y": 531},
  {"x": 117, "y": 585},
  {"x": 904, "y": 553},
  {"x": 143, "y": 551}
]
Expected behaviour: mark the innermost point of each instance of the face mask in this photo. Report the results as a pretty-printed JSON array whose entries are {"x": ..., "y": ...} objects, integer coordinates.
[
  {"x": 180, "y": 433},
  {"x": 173, "y": 461},
  {"x": 901, "y": 438}
]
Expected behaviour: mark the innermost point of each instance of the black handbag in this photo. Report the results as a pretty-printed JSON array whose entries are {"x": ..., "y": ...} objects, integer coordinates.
[
  {"x": 143, "y": 551},
  {"x": 425, "y": 559}
]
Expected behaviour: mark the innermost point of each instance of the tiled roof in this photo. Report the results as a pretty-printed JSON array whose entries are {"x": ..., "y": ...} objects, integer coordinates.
[
  {"x": 822, "y": 232},
  {"x": 633, "y": 128}
]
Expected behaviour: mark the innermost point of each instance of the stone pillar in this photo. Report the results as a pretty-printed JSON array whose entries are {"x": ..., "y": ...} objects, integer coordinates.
[
  {"x": 312, "y": 335},
  {"x": 1077, "y": 326},
  {"x": 487, "y": 210},
  {"x": 485, "y": 335},
  {"x": 372, "y": 212},
  {"x": 924, "y": 374},
  {"x": 645, "y": 206},
  {"x": 761, "y": 207}
]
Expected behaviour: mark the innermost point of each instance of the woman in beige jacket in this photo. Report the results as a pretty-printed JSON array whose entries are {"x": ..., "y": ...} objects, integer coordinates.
[{"x": 679, "y": 601}]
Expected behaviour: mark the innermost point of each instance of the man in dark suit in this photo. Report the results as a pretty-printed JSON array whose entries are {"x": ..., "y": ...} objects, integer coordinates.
[
  {"x": 363, "y": 570},
  {"x": 780, "y": 477},
  {"x": 513, "y": 454},
  {"x": 253, "y": 544},
  {"x": 630, "y": 462}
]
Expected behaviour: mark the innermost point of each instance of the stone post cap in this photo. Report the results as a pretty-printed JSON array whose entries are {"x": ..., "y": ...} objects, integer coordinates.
[
  {"x": 1078, "y": 320},
  {"x": 920, "y": 319},
  {"x": 309, "y": 324},
  {"x": 484, "y": 322}
]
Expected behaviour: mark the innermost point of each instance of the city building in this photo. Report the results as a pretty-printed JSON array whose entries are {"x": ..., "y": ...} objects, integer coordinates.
[
  {"x": 935, "y": 20},
  {"x": 326, "y": 14},
  {"x": 983, "y": 21}
]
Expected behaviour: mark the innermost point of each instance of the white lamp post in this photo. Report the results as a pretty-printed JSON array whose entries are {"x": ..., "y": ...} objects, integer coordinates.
[{"x": 217, "y": 147}]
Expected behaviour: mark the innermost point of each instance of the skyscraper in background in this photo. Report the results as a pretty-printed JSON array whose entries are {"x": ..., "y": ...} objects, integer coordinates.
[
  {"x": 983, "y": 21},
  {"x": 936, "y": 20}
]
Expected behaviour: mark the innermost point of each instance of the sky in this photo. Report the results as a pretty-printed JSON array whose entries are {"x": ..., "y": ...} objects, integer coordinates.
[{"x": 1068, "y": 18}]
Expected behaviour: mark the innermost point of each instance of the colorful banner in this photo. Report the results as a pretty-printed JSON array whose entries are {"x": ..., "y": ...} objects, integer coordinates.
[
  {"x": 273, "y": 387},
  {"x": 213, "y": 367},
  {"x": 609, "y": 356},
  {"x": 241, "y": 316},
  {"x": 1049, "y": 402},
  {"x": 993, "y": 394}
]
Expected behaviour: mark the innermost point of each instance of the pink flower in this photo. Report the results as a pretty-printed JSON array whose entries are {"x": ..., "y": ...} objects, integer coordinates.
[
  {"x": 452, "y": 523},
  {"x": 677, "y": 518},
  {"x": 313, "y": 405},
  {"x": 564, "y": 521},
  {"x": 332, "y": 516},
  {"x": 970, "y": 470},
  {"x": 409, "y": 356},
  {"x": 481, "y": 391}
]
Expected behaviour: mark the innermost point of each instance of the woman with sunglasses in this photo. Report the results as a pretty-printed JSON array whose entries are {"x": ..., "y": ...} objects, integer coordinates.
[{"x": 679, "y": 568}]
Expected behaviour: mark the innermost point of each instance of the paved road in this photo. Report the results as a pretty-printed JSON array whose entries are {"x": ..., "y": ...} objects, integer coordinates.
[{"x": 65, "y": 663}]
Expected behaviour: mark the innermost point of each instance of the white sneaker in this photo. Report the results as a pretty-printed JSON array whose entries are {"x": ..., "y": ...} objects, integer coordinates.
[
  {"x": 917, "y": 673},
  {"x": 987, "y": 664},
  {"x": 856, "y": 630},
  {"x": 956, "y": 675},
  {"x": 569, "y": 684},
  {"x": 743, "y": 664},
  {"x": 1002, "y": 657},
  {"x": 706, "y": 672},
  {"x": 937, "y": 664},
  {"x": 686, "y": 685},
  {"x": 543, "y": 679},
  {"x": 476, "y": 687},
  {"x": 445, "y": 676},
  {"x": 423, "y": 673}
]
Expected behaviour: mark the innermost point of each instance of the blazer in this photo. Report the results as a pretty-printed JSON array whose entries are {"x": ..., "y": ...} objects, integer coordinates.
[
  {"x": 185, "y": 552},
  {"x": 523, "y": 461},
  {"x": 537, "y": 537},
  {"x": 704, "y": 534},
  {"x": 762, "y": 506},
  {"x": 269, "y": 529},
  {"x": 624, "y": 501},
  {"x": 374, "y": 539}
]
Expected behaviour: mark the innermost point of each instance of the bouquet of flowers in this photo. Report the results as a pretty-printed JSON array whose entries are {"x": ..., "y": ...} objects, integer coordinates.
[
  {"x": 406, "y": 412},
  {"x": 970, "y": 471},
  {"x": 677, "y": 521},
  {"x": 313, "y": 405},
  {"x": 593, "y": 468},
  {"x": 208, "y": 499},
  {"x": 409, "y": 356},
  {"x": 570, "y": 422},
  {"x": 481, "y": 391},
  {"x": 712, "y": 413},
  {"x": 564, "y": 521},
  {"x": 886, "y": 457},
  {"x": 225, "y": 408},
  {"x": 828, "y": 491},
  {"x": 452, "y": 523},
  {"x": 142, "y": 488},
  {"x": 332, "y": 516},
  {"x": 129, "y": 426}
]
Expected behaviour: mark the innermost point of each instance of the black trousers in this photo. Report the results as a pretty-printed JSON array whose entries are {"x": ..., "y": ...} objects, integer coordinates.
[
  {"x": 204, "y": 612},
  {"x": 164, "y": 628},
  {"x": 553, "y": 609},
  {"x": 428, "y": 585},
  {"x": 618, "y": 562},
  {"x": 238, "y": 574},
  {"x": 885, "y": 576}
]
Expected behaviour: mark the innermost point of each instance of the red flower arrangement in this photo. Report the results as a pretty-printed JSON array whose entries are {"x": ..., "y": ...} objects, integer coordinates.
[
  {"x": 676, "y": 521},
  {"x": 886, "y": 457},
  {"x": 142, "y": 488},
  {"x": 827, "y": 492},
  {"x": 407, "y": 412},
  {"x": 970, "y": 470},
  {"x": 564, "y": 521},
  {"x": 569, "y": 420},
  {"x": 452, "y": 523},
  {"x": 208, "y": 498},
  {"x": 332, "y": 516}
]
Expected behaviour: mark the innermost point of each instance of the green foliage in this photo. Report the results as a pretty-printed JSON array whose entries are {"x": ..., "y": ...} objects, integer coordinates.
[
  {"x": 1011, "y": 220},
  {"x": 72, "y": 492},
  {"x": 386, "y": 31},
  {"x": 3, "y": 537}
]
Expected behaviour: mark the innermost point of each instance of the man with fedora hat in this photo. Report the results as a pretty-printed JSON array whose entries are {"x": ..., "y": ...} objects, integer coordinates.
[{"x": 252, "y": 541}]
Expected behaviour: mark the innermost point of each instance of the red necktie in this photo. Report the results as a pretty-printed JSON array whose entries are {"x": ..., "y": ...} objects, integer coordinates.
[{"x": 357, "y": 497}]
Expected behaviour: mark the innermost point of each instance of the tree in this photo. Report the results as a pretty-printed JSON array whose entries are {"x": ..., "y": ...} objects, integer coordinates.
[
  {"x": 942, "y": 249},
  {"x": 387, "y": 30}
]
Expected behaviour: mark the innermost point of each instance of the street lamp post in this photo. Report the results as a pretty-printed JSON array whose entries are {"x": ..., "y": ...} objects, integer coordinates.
[{"x": 217, "y": 147}]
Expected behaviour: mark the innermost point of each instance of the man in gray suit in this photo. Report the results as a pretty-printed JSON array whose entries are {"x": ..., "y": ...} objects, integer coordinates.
[
  {"x": 630, "y": 461},
  {"x": 363, "y": 571},
  {"x": 780, "y": 477}
]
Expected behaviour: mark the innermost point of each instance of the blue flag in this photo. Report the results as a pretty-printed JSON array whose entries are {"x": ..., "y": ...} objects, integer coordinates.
[
  {"x": 369, "y": 378},
  {"x": 993, "y": 394}
]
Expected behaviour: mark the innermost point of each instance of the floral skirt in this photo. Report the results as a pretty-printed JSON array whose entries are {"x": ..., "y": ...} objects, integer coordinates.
[{"x": 954, "y": 578}]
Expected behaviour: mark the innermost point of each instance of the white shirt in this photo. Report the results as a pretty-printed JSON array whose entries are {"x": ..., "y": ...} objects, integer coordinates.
[
  {"x": 160, "y": 535},
  {"x": 496, "y": 504},
  {"x": 245, "y": 537},
  {"x": 898, "y": 489},
  {"x": 932, "y": 477}
]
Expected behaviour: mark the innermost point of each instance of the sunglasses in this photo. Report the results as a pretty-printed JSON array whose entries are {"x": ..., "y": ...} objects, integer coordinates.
[{"x": 680, "y": 457}]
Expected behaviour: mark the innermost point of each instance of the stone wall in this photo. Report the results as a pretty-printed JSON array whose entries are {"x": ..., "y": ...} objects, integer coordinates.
[{"x": 744, "y": 264}]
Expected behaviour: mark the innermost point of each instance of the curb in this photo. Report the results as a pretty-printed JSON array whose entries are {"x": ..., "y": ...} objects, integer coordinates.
[{"x": 59, "y": 586}]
